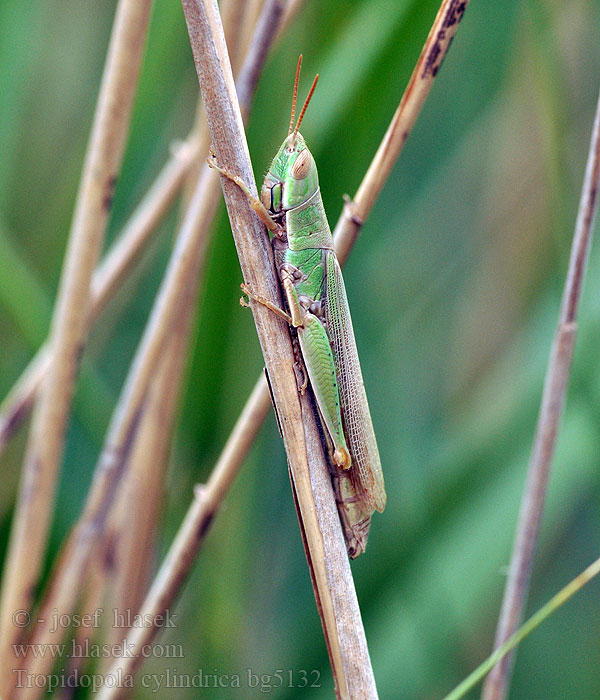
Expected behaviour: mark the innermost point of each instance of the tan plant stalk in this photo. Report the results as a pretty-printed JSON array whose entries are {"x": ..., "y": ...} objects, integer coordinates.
[
  {"x": 423, "y": 76},
  {"x": 85, "y": 636},
  {"x": 181, "y": 563},
  {"x": 181, "y": 554},
  {"x": 134, "y": 515},
  {"x": 141, "y": 500},
  {"x": 114, "y": 269},
  {"x": 233, "y": 16},
  {"x": 107, "y": 279},
  {"x": 252, "y": 13},
  {"x": 45, "y": 446},
  {"x": 176, "y": 295},
  {"x": 551, "y": 407},
  {"x": 142, "y": 490}
]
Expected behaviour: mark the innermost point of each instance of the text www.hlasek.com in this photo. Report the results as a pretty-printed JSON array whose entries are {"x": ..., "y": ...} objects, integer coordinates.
[{"x": 85, "y": 650}]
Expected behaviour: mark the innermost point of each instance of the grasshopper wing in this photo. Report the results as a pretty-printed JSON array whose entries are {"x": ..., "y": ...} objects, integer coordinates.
[{"x": 366, "y": 473}]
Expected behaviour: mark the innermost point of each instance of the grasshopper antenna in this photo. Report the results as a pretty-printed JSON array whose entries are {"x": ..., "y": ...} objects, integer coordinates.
[
  {"x": 306, "y": 101},
  {"x": 295, "y": 95}
]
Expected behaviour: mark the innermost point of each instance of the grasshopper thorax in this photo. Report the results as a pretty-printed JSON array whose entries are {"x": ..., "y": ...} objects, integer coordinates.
[{"x": 292, "y": 177}]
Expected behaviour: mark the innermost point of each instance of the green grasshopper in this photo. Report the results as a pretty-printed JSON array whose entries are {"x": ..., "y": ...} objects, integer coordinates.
[{"x": 290, "y": 205}]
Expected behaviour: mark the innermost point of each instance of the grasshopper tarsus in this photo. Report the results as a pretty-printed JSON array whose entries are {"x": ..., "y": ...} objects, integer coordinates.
[
  {"x": 341, "y": 457},
  {"x": 301, "y": 378},
  {"x": 299, "y": 368}
]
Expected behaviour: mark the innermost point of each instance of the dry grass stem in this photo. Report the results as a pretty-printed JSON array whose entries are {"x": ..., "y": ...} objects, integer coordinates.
[
  {"x": 45, "y": 447},
  {"x": 553, "y": 398},
  {"x": 176, "y": 293},
  {"x": 267, "y": 26},
  {"x": 139, "y": 505},
  {"x": 423, "y": 76},
  {"x": 107, "y": 279},
  {"x": 205, "y": 506},
  {"x": 235, "y": 24},
  {"x": 345, "y": 239},
  {"x": 170, "y": 317},
  {"x": 252, "y": 13},
  {"x": 92, "y": 600},
  {"x": 327, "y": 554},
  {"x": 179, "y": 559},
  {"x": 112, "y": 272},
  {"x": 141, "y": 501}
]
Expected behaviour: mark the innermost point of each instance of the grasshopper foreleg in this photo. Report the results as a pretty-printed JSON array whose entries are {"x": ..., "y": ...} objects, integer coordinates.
[{"x": 255, "y": 203}]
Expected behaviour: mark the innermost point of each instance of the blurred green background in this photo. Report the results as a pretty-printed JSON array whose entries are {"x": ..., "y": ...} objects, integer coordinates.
[{"x": 454, "y": 288}]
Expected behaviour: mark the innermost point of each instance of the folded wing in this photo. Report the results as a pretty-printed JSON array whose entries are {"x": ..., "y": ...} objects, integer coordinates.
[{"x": 366, "y": 473}]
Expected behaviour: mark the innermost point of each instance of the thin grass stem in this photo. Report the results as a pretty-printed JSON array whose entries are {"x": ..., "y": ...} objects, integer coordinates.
[
  {"x": 173, "y": 302},
  {"x": 551, "y": 407},
  {"x": 35, "y": 501},
  {"x": 141, "y": 493},
  {"x": 175, "y": 294},
  {"x": 421, "y": 81},
  {"x": 107, "y": 279}
]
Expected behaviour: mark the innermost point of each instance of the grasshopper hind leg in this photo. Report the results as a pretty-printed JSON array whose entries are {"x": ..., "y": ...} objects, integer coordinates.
[{"x": 318, "y": 360}]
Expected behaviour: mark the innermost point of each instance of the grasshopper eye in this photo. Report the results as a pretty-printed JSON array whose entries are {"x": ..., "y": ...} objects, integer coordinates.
[{"x": 301, "y": 165}]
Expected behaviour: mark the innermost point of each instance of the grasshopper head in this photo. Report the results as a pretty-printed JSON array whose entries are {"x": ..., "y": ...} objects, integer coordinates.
[{"x": 292, "y": 177}]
